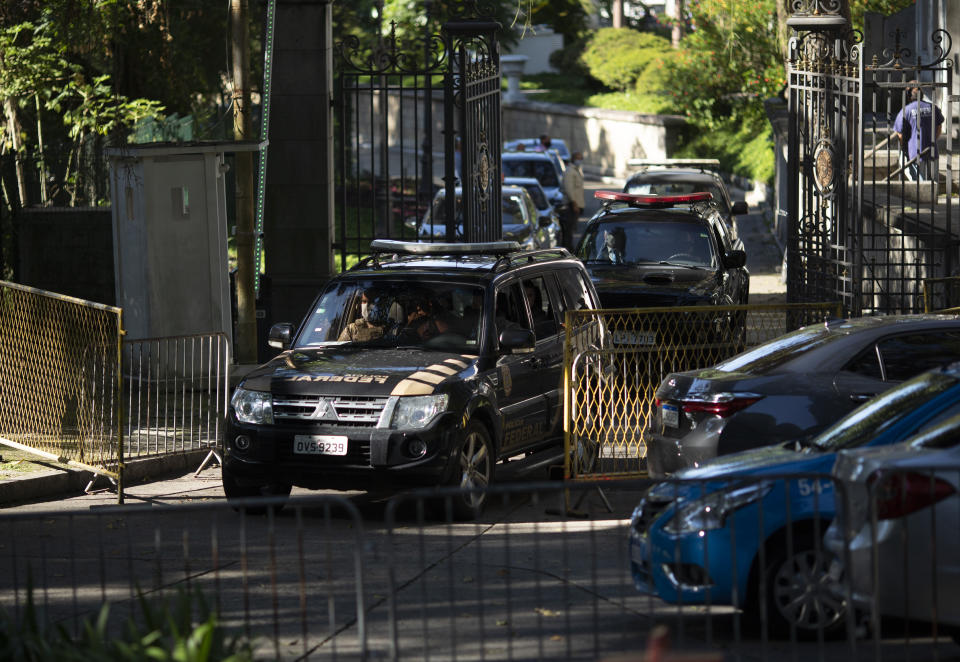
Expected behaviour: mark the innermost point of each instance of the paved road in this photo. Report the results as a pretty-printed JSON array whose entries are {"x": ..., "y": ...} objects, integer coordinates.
[{"x": 525, "y": 582}]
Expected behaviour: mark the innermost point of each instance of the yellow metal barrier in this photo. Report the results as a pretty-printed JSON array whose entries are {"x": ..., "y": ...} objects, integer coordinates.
[
  {"x": 59, "y": 379},
  {"x": 614, "y": 360},
  {"x": 941, "y": 295}
]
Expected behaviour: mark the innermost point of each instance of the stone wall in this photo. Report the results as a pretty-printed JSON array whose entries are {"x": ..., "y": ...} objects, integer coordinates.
[{"x": 607, "y": 138}]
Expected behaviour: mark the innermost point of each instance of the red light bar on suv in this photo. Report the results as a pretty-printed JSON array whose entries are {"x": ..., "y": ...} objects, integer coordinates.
[{"x": 646, "y": 200}]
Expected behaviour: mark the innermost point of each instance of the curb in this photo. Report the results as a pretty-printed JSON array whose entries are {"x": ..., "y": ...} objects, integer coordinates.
[{"x": 69, "y": 482}]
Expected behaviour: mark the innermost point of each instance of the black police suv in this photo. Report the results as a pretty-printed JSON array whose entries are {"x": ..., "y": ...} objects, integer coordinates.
[
  {"x": 423, "y": 365},
  {"x": 663, "y": 250}
]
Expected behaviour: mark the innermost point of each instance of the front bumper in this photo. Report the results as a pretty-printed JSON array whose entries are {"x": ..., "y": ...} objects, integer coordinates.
[
  {"x": 683, "y": 570},
  {"x": 375, "y": 457}
]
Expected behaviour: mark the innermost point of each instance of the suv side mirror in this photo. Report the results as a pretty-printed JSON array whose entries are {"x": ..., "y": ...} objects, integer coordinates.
[
  {"x": 738, "y": 207},
  {"x": 517, "y": 340},
  {"x": 280, "y": 335},
  {"x": 735, "y": 259},
  {"x": 545, "y": 221}
]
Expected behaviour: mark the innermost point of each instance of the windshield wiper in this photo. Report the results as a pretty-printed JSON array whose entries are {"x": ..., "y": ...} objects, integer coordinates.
[{"x": 678, "y": 264}]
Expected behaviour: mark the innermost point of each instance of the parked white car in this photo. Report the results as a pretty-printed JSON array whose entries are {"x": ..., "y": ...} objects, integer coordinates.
[{"x": 896, "y": 537}]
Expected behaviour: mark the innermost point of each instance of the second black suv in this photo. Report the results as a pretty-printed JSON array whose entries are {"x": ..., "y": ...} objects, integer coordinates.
[{"x": 423, "y": 365}]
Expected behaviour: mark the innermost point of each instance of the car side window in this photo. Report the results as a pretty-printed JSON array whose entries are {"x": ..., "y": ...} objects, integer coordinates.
[
  {"x": 576, "y": 295},
  {"x": 544, "y": 322},
  {"x": 907, "y": 355},
  {"x": 510, "y": 310},
  {"x": 723, "y": 238},
  {"x": 866, "y": 363}
]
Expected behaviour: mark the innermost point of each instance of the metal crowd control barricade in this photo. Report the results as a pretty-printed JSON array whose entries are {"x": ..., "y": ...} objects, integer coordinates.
[
  {"x": 614, "y": 360},
  {"x": 941, "y": 295},
  {"x": 59, "y": 379},
  {"x": 176, "y": 393}
]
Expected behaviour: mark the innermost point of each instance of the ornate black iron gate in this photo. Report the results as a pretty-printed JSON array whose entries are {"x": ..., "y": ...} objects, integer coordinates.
[
  {"x": 394, "y": 105},
  {"x": 864, "y": 229},
  {"x": 824, "y": 74}
]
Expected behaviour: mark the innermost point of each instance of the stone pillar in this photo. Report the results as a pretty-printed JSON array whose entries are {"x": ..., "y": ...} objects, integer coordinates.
[
  {"x": 298, "y": 209},
  {"x": 512, "y": 66}
]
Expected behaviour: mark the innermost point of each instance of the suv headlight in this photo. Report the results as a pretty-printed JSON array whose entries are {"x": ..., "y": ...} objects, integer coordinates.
[
  {"x": 709, "y": 512},
  {"x": 417, "y": 411},
  {"x": 252, "y": 406}
]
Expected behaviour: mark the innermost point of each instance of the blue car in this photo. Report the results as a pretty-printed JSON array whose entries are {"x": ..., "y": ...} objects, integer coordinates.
[{"x": 746, "y": 529}]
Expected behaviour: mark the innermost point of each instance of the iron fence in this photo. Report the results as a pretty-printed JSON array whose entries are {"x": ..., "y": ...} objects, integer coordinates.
[{"x": 337, "y": 577}]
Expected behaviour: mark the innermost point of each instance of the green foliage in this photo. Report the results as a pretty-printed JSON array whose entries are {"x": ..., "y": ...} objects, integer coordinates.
[
  {"x": 885, "y": 7},
  {"x": 726, "y": 66},
  {"x": 567, "y": 17},
  {"x": 618, "y": 56},
  {"x": 164, "y": 633}
]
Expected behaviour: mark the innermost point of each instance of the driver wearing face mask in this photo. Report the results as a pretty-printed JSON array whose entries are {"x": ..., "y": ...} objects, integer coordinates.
[{"x": 363, "y": 329}]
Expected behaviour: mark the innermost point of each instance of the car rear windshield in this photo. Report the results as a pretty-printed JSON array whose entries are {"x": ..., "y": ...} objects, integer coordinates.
[
  {"x": 868, "y": 420},
  {"x": 396, "y": 313},
  {"x": 649, "y": 242},
  {"x": 775, "y": 353},
  {"x": 675, "y": 188},
  {"x": 540, "y": 169}
]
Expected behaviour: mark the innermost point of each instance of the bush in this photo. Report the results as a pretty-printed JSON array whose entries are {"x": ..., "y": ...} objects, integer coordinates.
[
  {"x": 744, "y": 148},
  {"x": 164, "y": 633},
  {"x": 617, "y": 57},
  {"x": 567, "y": 60}
]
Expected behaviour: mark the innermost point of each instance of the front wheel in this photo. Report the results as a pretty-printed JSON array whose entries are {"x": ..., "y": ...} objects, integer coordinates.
[
  {"x": 801, "y": 595},
  {"x": 236, "y": 491},
  {"x": 474, "y": 471}
]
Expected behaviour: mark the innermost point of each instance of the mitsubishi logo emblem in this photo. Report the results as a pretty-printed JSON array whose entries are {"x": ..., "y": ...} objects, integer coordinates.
[{"x": 325, "y": 411}]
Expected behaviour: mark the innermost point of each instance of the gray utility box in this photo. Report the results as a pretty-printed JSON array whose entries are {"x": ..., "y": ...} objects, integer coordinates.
[{"x": 170, "y": 238}]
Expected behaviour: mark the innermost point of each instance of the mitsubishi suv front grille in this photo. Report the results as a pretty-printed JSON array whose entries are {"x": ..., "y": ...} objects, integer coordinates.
[{"x": 339, "y": 410}]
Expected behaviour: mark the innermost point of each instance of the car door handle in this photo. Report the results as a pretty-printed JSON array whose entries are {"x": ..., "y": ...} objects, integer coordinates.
[{"x": 861, "y": 397}]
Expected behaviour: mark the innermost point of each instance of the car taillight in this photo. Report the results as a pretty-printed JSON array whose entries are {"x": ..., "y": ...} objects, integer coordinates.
[
  {"x": 900, "y": 494},
  {"x": 722, "y": 405}
]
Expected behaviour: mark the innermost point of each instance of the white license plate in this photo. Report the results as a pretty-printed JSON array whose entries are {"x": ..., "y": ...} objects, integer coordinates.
[
  {"x": 622, "y": 337},
  {"x": 670, "y": 415},
  {"x": 319, "y": 444}
]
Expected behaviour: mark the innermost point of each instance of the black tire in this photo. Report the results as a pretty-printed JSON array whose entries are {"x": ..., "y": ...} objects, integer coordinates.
[
  {"x": 800, "y": 594},
  {"x": 473, "y": 471},
  {"x": 236, "y": 492}
]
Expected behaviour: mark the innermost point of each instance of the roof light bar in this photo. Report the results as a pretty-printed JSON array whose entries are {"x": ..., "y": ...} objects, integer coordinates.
[
  {"x": 440, "y": 248},
  {"x": 647, "y": 200}
]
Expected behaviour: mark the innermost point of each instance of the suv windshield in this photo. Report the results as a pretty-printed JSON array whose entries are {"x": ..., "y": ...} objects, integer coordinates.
[
  {"x": 656, "y": 242},
  {"x": 864, "y": 423},
  {"x": 396, "y": 313}
]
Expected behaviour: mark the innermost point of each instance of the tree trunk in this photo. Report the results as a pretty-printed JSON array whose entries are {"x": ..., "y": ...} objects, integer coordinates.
[
  {"x": 15, "y": 130},
  {"x": 676, "y": 33},
  {"x": 246, "y": 340}
]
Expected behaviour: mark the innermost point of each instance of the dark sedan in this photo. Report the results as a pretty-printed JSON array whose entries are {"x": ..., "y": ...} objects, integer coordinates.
[
  {"x": 791, "y": 387},
  {"x": 652, "y": 251}
]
